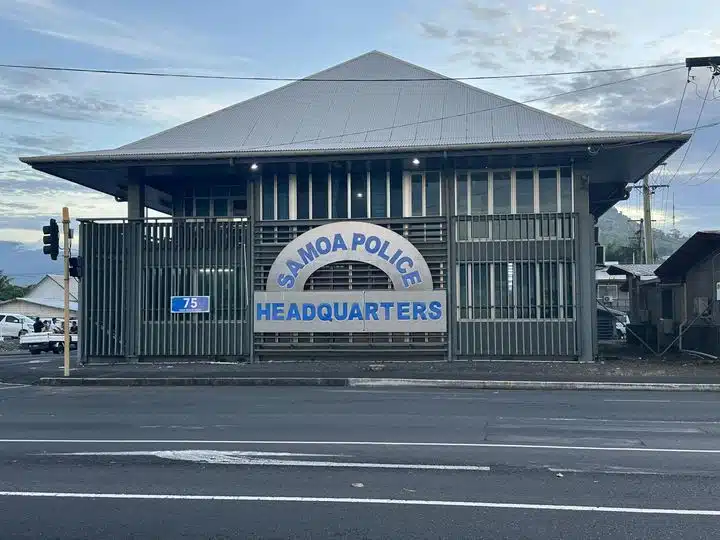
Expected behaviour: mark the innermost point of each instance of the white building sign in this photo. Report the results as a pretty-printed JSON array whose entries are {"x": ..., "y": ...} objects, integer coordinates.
[{"x": 412, "y": 305}]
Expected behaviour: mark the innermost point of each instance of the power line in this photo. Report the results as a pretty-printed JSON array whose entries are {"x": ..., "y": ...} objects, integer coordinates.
[
  {"x": 697, "y": 122},
  {"x": 459, "y": 115},
  {"x": 706, "y": 180},
  {"x": 682, "y": 98},
  {"x": 321, "y": 79}
]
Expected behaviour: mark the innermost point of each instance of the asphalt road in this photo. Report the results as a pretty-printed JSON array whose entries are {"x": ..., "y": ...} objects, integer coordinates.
[{"x": 341, "y": 463}]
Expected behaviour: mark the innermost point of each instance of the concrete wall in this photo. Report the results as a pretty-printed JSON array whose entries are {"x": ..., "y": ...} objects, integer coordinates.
[{"x": 29, "y": 309}]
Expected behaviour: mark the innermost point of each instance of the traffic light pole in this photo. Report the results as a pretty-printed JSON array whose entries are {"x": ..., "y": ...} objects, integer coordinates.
[{"x": 66, "y": 281}]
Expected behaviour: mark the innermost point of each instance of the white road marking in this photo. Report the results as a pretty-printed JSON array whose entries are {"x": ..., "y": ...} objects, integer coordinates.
[
  {"x": 619, "y": 470},
  {"x": 354, "y": 500},
  {"x": 9, "y": 386},
  {"x": 365, "y": 443},
  {"x": 709, "y": 402},
  {"x": 604, "y": 420},
  {"x": 263, "y": 458}
]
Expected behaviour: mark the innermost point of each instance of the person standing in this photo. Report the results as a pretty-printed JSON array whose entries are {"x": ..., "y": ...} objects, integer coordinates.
[{"x": 38, "y": 325}]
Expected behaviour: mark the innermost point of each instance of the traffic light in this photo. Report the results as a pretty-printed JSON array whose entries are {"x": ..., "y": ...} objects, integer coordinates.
[
  {"x": 51, "y": 240},
  {"x": 75, "y": 267}
]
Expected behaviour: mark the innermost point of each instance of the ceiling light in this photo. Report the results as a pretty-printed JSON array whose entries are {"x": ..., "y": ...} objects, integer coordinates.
[
  {"x": 359, "y": 194},
  {"x": 416, "y": 161},
  {"x": 254, "y": 167}
]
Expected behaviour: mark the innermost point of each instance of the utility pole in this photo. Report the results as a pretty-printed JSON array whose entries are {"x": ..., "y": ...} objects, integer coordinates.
[
  {"x": 647, "y": 223},
  {"x": 66, "y": 283}
]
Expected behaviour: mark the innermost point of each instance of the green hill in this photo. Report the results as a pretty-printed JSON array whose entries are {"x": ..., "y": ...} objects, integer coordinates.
[{"x": 621, "y": 239}]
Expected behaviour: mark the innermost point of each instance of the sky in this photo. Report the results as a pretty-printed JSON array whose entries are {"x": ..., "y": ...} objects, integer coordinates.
[{"x": 45, "y": 112}]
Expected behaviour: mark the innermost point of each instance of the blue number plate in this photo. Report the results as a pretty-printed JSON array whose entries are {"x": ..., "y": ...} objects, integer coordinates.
[{"x": 189, "y": 304}]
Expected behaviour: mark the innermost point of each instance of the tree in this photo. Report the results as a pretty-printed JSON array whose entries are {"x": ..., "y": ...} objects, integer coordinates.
[{"x": 9, "y": 291}]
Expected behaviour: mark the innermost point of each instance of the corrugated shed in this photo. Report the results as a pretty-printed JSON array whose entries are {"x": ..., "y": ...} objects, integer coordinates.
[{"x": 352, "y": 112}]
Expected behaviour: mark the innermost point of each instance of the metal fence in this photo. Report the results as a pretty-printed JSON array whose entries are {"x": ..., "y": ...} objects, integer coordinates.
[
  {"x": 133, "y": 268},
  {"x": 430, "y": 237},
  {"x": 515, "y": 285}
]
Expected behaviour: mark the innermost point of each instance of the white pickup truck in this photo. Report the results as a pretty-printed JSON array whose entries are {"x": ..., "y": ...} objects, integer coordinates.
[{"x": 46, "y": 342}]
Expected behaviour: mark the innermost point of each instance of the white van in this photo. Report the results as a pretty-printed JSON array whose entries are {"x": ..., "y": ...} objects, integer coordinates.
[{"x": 14, "y": 325}]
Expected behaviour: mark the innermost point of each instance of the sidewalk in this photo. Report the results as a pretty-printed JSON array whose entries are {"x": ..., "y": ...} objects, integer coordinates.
[{"x": 457, "y": 374}]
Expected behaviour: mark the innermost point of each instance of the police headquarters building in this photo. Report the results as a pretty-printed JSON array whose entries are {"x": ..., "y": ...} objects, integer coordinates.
[{"x": 373, "y": 210}]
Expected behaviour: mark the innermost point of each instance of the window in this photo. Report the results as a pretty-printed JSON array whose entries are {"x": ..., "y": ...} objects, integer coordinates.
[
  {"x": 503, "y": 289},
  {"x": 549, "y": 300},
  {"x": 461, "y": 194},
  {"x": 425, "y": 194},
  {"x": 566, "y": 189},
  {"x": 479, "y": 193},
  {"x": 320, "y": 191},
  {"x": 474, "y": 290},
  {"x": 358, "y": 195},
  {"x": 607, "y": 290},
  {"x": 268, "y": 196},
  {"x": 11, "y": 319},
  {"x": 501, "y": 192},
  {"x": 302, "y": 183},
  {"x": 547, "y": 190},
  {"x": 202, "y": 207},
  {"x": 220, "y": 207},
  {"x": 526, "y": 290},
  {"x": 378, "y": 193},
  {"x": 396, "y": 190},
  {"x": 432, "y": 194},
  {"x": 524, "y": 192},
  {"x": 416, "y": 196},
  {"x": 667, "y": 304},
  {"x": 339, "y": 192},
  {"x": 283, "y": 196}
]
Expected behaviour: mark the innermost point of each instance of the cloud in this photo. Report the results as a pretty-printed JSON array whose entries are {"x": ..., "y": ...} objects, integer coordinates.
[
  {"x": 561, "y": 53},
  {"x": 64, "y": 106},
  {"x": 21, "y": 236},
  {"x": 539, "y": 7},
  {"x": 139, "y": 37},
  {"x": 483, "y": 13},
  {"x": 432, "y": 30},
  {"x": 586, "y": 35}
]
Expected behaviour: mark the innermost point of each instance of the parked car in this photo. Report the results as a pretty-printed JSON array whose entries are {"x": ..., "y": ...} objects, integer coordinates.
[{"x": 14, "y": 325}]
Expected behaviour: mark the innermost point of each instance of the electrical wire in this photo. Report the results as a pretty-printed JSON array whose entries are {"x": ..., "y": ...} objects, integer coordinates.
[
  {"x": 706, "y": 180},
  {"x": 697, "y": 123},
  {"x": 710, "y": 155},
  {"x": 321, "y": 79},
  {"x": 682, "y": 98}
]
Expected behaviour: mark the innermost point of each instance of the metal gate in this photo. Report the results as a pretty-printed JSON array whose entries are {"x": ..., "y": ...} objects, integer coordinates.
[
  {"x": 133, "y": 267},
  {"x": 515, "y": 285}
]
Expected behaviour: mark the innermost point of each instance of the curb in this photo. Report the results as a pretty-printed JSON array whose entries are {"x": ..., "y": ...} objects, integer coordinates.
[
  {"x": 191, "y": 381},
  {"x": 376, "y": 383}
]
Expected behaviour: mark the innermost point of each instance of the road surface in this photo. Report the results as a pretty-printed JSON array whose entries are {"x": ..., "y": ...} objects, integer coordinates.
[{"x": 342, "y": 463}]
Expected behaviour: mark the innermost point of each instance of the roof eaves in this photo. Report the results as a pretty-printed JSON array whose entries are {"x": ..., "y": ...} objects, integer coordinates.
[{"x": 110, "y": 156}]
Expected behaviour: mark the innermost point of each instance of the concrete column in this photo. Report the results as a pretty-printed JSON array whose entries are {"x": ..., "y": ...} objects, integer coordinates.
[
  {"x": 136, "y": 199},
  {"x": 448, "y": 183},
  {"x": 133, "y": 258},
  {"x": 586, "y": 295}
]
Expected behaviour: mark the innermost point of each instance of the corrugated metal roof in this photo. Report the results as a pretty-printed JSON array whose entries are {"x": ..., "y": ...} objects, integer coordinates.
[
  {"x": 637, "y": 270},
  {"x": 699, "y": 246},
  {"x": 356, "y": 112}
]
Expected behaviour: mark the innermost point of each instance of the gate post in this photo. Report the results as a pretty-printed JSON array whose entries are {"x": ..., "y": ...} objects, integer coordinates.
[{"x": 448, "y": 175}]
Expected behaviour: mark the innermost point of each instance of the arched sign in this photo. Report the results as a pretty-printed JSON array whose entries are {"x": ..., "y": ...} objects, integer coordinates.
[{"x": 412, "y": 305}]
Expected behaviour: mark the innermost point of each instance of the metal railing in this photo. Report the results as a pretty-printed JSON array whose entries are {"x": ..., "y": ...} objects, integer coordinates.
[{"x": 133, "y": 268}]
